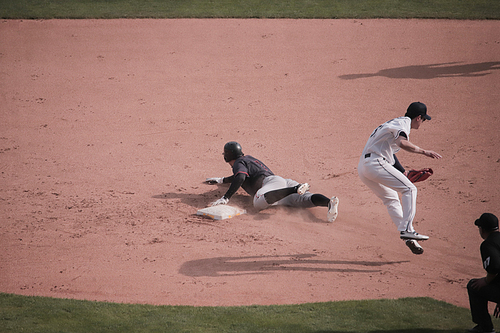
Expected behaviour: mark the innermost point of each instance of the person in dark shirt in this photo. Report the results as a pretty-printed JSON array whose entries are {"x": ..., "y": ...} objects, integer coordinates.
[
  {"x": 266, "y": 188},
  {"x": 486, "y": 289}
]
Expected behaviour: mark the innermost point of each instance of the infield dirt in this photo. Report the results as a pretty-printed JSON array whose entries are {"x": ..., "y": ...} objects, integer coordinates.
[{"x": 110, "y": 127}]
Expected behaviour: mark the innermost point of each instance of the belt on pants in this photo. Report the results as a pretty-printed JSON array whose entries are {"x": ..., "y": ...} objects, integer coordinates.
[{"x": 370, "y": 154}]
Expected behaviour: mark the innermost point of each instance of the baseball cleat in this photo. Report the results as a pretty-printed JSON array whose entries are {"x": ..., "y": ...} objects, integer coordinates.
[
  {"x": 412, "y": 235},
  {"x": 333, "y": 209},
  {"x": 414, "y": 246},
  {"x": 303, "y": 188}
]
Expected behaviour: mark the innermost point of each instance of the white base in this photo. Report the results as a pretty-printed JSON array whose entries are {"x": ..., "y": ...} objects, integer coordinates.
[{"x": 221, "y": 212}]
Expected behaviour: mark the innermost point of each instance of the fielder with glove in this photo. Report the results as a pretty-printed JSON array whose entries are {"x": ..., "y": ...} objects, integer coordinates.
[
  {"x": 265, "y": 187},
  {"x": 381, "y": 171}
]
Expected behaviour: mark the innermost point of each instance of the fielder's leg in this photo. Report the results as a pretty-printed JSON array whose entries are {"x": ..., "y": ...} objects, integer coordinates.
[{"x": 386, "y": 181}]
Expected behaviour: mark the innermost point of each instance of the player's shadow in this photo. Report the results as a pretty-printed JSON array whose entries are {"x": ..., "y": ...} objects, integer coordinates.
[
  {"x": 232, "y": 266},
  {"x": 202, "y": 200},
  {"x": 432, "y": 71}
]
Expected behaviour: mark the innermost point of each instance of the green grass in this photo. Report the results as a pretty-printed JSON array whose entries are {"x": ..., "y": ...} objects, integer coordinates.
[
  {"x": 449, "y": 9},
  {"x": 419, "y": 315}
]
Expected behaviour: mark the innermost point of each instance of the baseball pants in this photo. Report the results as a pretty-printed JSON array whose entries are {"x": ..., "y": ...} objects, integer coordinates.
[
  {"x": 272, "y": 183},
  {"x": 386, "y": 182}
]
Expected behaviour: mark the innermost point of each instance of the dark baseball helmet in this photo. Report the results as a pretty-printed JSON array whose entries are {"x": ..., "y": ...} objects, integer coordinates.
[{"x": 232, "y": 150}]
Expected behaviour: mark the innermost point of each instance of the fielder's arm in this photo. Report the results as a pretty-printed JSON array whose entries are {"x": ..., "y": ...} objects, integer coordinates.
[{"x": 405, "y": 144}]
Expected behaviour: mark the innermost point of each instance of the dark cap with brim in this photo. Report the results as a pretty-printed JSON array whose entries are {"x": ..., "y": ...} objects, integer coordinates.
[
  {"x": 487, "y": 222},
  {"x": 417, "y": 109}
]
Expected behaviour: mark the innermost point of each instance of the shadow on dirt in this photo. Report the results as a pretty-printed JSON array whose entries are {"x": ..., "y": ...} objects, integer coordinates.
[
  {"x": 202, "y": 200},
  {"x": 432, "y": 71},
  {"x": 232, "y": 266}
]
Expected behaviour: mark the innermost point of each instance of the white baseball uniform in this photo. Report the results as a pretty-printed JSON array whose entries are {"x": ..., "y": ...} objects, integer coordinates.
[{"x": 376, "y": 170}]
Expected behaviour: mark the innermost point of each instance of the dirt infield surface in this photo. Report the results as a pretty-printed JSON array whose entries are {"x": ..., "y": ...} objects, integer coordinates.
[{"x": 110, "y": 127}]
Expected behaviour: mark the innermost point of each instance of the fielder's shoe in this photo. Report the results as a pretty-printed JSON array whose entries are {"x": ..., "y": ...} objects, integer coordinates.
[
  {"x": 412, "y": 235},
  {"x": 333, "y": 209},
  {"x": 479, "y": 329},
  {"x": 303, "y": 188},
  {"x": 414, "y": 246}
]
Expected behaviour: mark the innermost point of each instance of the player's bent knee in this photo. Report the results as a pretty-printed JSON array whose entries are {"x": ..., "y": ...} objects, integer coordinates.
[
  {"x": 260, "y": 203},
  {"x": 410, "y": 189}
]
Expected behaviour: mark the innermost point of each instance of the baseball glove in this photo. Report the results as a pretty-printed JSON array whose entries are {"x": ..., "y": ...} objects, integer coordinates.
[{"x": 419, "y": 175}]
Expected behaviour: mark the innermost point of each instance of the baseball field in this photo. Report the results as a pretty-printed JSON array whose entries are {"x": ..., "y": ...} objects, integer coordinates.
[{"x": 109, "y": 128}]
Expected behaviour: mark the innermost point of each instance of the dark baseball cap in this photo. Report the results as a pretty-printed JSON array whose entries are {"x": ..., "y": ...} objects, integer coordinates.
[
  {"x": 487, "y": 222},
  {"x": 417, "y": 109}
]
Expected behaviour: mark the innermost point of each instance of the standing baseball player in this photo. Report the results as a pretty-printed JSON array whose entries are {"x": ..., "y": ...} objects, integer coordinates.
[
  {"x": 377, "y": 170},
  {"x": 265, "y": 187}
]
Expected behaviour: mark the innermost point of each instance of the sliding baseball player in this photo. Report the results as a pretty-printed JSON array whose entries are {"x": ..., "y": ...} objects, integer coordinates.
[{"x": 265, "y": 187}]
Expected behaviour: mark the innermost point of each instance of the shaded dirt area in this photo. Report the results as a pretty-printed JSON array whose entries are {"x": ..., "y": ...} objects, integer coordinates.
[{"x": 109, "y": 128}]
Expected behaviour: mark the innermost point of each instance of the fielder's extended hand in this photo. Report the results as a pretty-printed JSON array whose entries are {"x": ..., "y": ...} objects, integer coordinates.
[
  {"x": 221, "y": 201},
  {"x": 431, "y": 154},
  {"x": 215, "y": 180}
]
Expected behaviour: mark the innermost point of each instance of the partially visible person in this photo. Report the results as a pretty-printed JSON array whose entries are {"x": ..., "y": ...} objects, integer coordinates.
[
  {"x": 486, "y": 289},
  {"x": 265, "y": 187},
  {"x": 380, "y": 170}
]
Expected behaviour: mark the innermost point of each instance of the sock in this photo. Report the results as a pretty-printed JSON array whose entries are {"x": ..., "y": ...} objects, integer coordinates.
[{"x": 320, "y": 200}]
